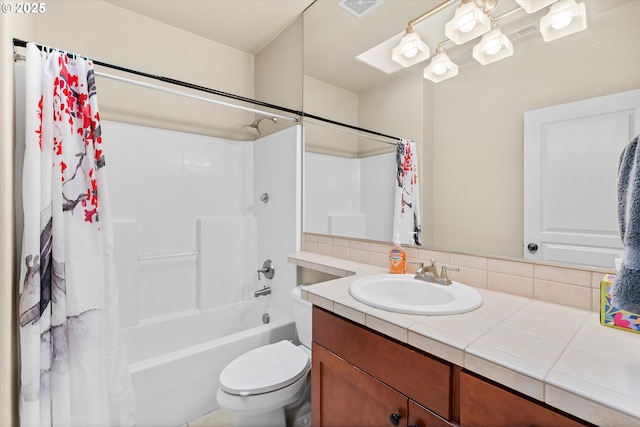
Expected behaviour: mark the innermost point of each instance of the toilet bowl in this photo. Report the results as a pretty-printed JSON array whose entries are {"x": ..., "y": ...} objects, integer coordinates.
[{"x": 257, "y": 386}]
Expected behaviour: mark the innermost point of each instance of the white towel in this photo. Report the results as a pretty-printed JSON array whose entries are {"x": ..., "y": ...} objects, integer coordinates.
[{"x": 406, "y": 218}]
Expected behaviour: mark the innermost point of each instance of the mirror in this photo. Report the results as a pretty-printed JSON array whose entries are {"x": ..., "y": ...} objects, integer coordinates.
[{"x": 469, "y": 129}]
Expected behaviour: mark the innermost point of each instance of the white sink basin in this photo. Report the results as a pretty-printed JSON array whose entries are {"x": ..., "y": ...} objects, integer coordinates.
[{"x": 404, "y": 294}]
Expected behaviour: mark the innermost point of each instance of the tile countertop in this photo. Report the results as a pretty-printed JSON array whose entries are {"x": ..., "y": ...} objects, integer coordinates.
[{"x": 553, "y": 353}]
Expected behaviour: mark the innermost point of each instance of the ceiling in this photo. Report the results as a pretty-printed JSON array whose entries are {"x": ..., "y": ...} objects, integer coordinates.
[
  {"x": 246, "y": 25},
  {"x": 333, "y": 37}
]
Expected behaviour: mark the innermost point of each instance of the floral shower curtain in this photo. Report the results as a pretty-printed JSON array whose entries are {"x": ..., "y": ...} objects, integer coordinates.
[
  {"x": 73, "y": 367},
  {"x": 406, "y": 217}
]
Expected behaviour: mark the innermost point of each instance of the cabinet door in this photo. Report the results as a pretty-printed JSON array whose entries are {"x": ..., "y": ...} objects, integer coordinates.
[
  {"x": 485, "y": 404},
  {"x": 419, "y": 416},
  {"x": 424, "y": 379},
  {"x": 345, "y": 396}
]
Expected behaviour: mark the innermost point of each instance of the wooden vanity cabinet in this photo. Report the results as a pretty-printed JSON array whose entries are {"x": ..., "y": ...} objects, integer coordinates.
[
  {"x": 419, "y": 416},
  {"x": 361, "y": 378},
  {"x": 483, "y": 403},
  {"x": 345, "y": 396}
]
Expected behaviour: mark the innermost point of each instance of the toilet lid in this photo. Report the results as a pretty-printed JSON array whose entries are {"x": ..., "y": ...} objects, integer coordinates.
[{"x": 264, "y": 369}]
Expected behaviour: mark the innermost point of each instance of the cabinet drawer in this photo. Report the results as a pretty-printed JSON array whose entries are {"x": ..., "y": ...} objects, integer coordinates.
[
  {"x": 485, "y": 404},
  {"x": 423, "y": 378},
  {"x": 420, "y": 416}
]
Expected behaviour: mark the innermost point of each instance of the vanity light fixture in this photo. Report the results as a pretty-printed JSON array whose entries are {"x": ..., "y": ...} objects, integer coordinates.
[
  {"x": 411, "y": 49},
  {"x": 493, "y": 47},
  {"x": 531, "y": 6},
  {"x": 565, "y": 17},
  {"x": 470, "y": 20},
  {"x": 441, "y": 67}
]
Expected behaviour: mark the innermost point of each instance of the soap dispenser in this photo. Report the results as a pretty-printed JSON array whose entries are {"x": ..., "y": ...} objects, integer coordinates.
[{"x": 397, "y": 257}]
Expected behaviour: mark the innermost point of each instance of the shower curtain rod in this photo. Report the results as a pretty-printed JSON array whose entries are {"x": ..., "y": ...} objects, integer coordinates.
[
  {"x": 176, "y": 92},
  {"x": 356, "y": 128},
  {"x": 21, "y": 43},
  {"x": 375, "y": 136}
]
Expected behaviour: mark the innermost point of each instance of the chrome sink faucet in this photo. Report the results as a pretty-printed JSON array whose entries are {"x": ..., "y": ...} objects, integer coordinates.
[{"x": 430, "y": 274}]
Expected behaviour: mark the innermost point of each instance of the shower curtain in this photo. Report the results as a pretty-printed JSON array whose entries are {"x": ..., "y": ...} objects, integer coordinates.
[
  {"x": 73, "y": 370},
  {"x": 406, "y": 216}
]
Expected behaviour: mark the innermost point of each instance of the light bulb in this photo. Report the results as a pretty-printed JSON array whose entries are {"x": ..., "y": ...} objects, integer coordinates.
[
  {"x": 562, "y": 21},
  {"x": 440, "y": 68},
  {"x": 410, "y": 53},
  {"x": 410, "y": 50},
  {"x": 492, "y": 47},
  {"x": 467, "y": 23}
]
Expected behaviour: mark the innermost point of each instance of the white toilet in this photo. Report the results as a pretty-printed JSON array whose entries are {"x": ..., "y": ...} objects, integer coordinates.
[{"x": 257, "y": 386}]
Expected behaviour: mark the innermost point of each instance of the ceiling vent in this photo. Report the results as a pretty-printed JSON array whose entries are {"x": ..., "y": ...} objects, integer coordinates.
[
  {"x": 524, "y": 32},
  {"x": 359, "y": 8}
]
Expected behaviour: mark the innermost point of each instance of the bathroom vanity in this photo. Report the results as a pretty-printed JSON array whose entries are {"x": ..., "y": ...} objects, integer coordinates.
[
  {"x": 512, "y": 361},
  {"x": 362, "y": 378}
]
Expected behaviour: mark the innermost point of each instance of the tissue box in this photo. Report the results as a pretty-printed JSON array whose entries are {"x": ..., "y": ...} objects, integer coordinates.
[{"x": 612, "y": 316}]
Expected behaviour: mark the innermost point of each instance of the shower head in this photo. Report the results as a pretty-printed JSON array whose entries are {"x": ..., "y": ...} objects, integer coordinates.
[{"x": 254, "y": 127}]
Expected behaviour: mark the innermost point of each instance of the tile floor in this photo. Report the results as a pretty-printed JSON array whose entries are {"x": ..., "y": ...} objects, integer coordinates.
[{"x": 219, "y": 418}]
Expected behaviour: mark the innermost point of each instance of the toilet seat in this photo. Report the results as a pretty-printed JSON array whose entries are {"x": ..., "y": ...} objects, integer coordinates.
[{"x": 265, "y": 369}]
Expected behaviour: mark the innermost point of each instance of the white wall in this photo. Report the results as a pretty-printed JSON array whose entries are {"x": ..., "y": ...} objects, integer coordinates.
[
  {"x": 356, "y": 192},
  {"x": 105, "y": 31},
  {"x": 333, "y": 103},
  {"x": 335, "y": 184},
  {"x": 277, "y": 172},
  {"x": 160, "y": 183},
  {"x": 174, "y": 192},
  {"x": 378, "y": 193}
]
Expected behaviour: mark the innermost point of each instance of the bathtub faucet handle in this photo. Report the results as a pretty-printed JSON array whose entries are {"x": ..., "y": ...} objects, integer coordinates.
[{"x": 267, "y": 269}]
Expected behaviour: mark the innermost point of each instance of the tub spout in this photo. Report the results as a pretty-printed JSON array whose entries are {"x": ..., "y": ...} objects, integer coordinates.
[{"x": 264, "y": 291}]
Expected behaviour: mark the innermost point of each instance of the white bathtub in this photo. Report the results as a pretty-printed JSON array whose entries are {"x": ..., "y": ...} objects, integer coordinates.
[{"x": 175, "y": 362}]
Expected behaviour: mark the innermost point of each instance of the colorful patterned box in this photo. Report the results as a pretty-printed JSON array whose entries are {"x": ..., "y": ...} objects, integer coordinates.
[{"x": 612, "y": 316}]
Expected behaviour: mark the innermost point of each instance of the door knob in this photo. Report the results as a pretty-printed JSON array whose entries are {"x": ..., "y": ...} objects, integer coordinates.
[
  {"x": 395, "y": 419},
  {"x": 532, "y": 247}
]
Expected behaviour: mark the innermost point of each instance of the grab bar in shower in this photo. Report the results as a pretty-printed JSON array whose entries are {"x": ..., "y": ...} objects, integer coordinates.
[{"x": 167, "y": 256}]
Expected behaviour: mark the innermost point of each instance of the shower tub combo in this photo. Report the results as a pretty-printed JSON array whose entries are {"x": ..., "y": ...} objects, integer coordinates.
[{"x": 175, "y": 362}]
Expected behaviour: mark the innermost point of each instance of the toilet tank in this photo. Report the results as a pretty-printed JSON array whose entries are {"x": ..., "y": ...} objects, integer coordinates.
[{"x": 302, "y": 316}]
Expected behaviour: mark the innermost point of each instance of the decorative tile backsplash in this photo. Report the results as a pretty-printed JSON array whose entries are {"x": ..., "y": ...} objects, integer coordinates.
[{"x": 570, "y": 286}]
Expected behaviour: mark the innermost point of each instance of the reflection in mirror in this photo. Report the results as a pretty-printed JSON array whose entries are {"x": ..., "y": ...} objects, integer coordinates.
[
  {"x": 469, "y": 128},
  {"x": 349, "y": 182}
]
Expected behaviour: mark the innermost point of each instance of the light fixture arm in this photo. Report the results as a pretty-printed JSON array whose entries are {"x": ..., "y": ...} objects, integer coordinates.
[
  {"x": 494, "y": 23},
  {"x": 486, "y": 6},
  {"x": 427, "y": 14}
]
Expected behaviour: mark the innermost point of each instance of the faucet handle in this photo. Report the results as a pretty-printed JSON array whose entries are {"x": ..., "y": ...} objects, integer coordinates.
[
  {"x": 420, "y": 264},
  {"x": 444, "y": 273},
  {"x": 267, "y": 269},
  {"x": 417, "y": 262}
]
